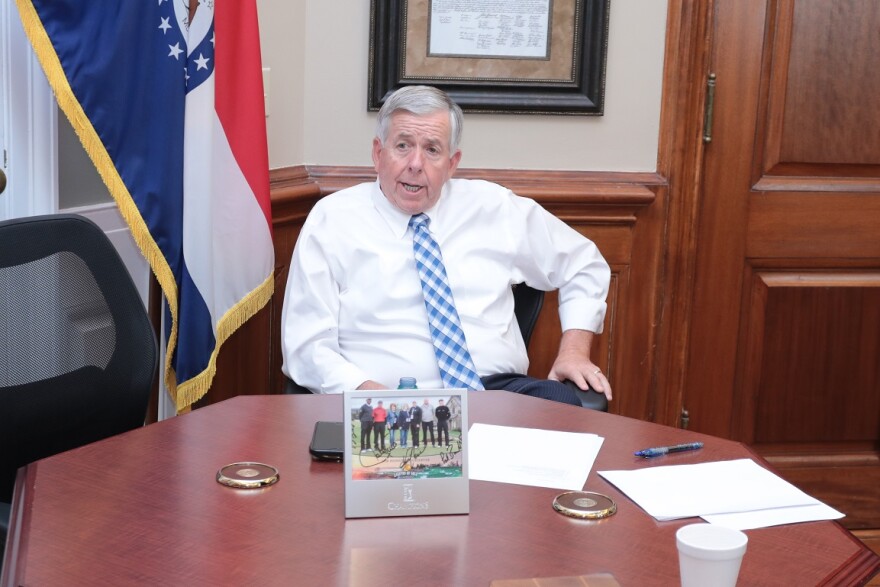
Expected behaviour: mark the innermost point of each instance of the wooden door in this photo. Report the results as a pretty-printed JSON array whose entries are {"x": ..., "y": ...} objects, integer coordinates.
[{"x": 784, "y": 349}]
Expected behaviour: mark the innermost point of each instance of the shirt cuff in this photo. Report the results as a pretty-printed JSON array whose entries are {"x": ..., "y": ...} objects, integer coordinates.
[
  {"x": 583, "y": 315},
  {"x": 344, "y": 377}
]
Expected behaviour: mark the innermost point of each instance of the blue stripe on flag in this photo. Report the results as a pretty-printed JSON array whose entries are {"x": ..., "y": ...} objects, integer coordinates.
[
  {"x": 195, "y": 325},
  {"x": 135, "y": 100}
]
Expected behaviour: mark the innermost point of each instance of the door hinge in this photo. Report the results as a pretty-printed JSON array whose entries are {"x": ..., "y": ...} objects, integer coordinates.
[
  {"x": 685, "y": 419},
  {"x": 709, "y": 107}
]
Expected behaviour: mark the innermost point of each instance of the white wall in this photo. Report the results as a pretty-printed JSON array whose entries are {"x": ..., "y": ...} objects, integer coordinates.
[
  {"x": 282, "y": 39},
  {"x": 317, "y": 51}
]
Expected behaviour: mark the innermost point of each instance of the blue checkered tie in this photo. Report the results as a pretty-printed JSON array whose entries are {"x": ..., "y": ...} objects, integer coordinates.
[{"x": 456, "y": 365}]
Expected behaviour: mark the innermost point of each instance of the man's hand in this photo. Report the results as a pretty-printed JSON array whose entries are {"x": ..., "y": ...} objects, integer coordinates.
[
  {"x": 573, "y": 363},
  {"x": 370, "y": 384}
]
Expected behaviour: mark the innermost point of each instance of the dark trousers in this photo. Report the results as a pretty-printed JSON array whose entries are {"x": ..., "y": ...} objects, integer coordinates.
[
  {"x": 543, "y": 388},
  {"x": 442, "y": 428},
  {"x": 428, "y": 427},
  {"x": 379, "y": 435},
  {"x": 366, "y": 428},
  {"x": 414, "y": 431}
]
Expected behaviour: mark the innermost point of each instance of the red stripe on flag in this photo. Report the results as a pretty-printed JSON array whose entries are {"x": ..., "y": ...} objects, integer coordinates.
[{"x": 238, "y": 95}]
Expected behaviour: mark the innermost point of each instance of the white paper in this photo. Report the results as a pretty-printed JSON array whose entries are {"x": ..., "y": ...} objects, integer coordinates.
[
  {"x": 721, "y": 487},
  {"x": 490, "y": 28},
  {"x": 774, "y": 517},
  {"x": 528, "y": 456}
]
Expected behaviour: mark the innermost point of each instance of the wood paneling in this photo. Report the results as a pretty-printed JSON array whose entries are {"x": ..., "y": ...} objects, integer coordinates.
[
  {"x": 680, "y": 159},
  {"x": 809, "y": 225},
  {"x": 830, "y": 106},
  {"x": 821, "y": 377},
  {"x": 719, "y": 256},
  {"x": 812, "y": 365},
  {"x": 822, "y": 132},
  {"x": 821, "y": 122},
  {"x": 785, "y": 328},
  {"x": 811, "y": 385},
  {"x": 853, "y": 489}
]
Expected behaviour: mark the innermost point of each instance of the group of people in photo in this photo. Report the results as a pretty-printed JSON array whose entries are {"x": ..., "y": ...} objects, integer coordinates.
[{"x": 407, "y": 423}]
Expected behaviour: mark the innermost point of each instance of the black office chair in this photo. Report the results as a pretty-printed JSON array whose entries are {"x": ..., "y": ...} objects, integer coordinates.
[
  {"x": 78, "y": 357},
  {"x": 527, "y": 304}
]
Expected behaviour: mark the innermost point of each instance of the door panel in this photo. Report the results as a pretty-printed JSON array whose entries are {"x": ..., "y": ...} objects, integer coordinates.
[
  {"x": 829, "y": 106},
  {"x": 785, "y": 338},
  {"x": 831, "y": 392}
]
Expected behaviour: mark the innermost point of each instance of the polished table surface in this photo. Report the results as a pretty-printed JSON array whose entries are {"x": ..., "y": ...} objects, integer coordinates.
[{"x": 144, "y": 508}]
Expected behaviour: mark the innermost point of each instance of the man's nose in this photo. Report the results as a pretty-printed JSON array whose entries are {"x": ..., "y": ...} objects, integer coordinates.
[{"x": 416, "y": 160}]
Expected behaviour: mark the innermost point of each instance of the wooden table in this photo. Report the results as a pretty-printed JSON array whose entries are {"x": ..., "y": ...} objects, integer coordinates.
[{"x": 144, "y": 508}]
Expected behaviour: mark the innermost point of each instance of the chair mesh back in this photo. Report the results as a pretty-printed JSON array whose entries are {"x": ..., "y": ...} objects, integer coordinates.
[
  {"x": 78, "y": 356},
  {"x": 53, "y": 319},
  {"x": 527, "y": 304}
]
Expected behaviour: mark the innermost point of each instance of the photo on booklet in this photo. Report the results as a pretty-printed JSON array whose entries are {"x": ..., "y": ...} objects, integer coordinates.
[{"x": 406, "y": 452}]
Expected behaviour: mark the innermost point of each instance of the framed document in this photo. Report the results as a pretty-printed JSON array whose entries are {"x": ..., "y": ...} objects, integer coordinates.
[
  {"x": 411, "y": 463},
  {"x": 493, "y": 56}
]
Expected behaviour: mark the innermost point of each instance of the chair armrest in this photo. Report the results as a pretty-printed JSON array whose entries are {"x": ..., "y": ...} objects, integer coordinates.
[
  {"x": 291, "y": 387},
  {"x": 590, "y": 399}
]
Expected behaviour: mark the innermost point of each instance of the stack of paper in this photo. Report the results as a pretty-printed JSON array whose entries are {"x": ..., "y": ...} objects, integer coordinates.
[
  {"x": 527, "y": 456},
  {"x": 739, "y": 494}
]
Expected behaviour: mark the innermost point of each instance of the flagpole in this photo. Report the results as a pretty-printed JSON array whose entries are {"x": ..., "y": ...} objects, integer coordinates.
[{"x": 154, "y": 310}]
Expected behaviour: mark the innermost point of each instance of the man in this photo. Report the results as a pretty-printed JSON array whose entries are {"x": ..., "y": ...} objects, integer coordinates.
[
  {"x": 365, "y": 417},
  {"x": 428, "y": 421},
  {"x": 442, "y": 414},
  {"x": 379, "y": 416},
  {"x": 415, "y": 423},
  {"x": 357, "y": 312}
]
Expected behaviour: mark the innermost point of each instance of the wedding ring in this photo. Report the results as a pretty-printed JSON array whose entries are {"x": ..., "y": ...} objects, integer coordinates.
[{"x": 597, "y": 371}]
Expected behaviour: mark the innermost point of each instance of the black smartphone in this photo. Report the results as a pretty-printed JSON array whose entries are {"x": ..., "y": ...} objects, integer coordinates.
[{"x": 328, "y": 441}]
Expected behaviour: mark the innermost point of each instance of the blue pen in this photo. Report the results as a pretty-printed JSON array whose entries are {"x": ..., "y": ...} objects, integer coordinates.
[{"x": 662, "y": 450}]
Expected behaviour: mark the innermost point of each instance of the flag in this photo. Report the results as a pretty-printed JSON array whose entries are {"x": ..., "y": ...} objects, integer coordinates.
[{"x": 167, "y": 99}]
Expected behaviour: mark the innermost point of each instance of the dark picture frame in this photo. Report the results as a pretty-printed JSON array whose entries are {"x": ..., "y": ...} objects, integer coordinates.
[{"x": 578, "y": 42}]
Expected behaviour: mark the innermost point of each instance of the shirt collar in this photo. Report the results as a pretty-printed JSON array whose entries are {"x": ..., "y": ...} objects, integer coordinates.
[{"x": 398, "y": 220}]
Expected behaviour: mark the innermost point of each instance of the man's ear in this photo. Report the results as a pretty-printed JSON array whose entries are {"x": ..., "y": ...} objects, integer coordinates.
[
  {"x": 377, "y": 150},
  {"x": 453, "y": 162}
]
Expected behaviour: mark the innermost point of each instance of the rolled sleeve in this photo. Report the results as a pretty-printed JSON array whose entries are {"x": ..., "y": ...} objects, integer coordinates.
[{"x": 567, "y": 261}]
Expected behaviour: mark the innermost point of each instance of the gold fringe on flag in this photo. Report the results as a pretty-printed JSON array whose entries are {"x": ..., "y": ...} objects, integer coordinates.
[{"x": 190, "y": 391}]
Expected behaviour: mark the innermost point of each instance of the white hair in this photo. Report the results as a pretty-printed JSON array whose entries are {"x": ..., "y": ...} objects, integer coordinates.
[{"x": 421, "y": 100}]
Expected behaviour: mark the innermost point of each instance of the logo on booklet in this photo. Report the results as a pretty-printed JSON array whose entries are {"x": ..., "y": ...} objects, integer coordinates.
[{"x": 409, "y": 501}]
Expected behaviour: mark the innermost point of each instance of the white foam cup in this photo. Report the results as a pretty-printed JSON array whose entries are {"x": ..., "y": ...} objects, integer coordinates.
[{"x": 709, "y": 555}]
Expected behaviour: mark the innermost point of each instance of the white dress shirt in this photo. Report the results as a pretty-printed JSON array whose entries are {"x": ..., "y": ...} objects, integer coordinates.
[{"x": 353, "y": 308}]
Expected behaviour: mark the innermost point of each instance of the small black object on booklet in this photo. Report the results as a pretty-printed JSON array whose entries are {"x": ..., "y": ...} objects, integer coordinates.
[{"x": 328, "y": 441}]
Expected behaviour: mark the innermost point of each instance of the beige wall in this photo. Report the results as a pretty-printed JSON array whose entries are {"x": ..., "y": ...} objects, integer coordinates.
[{"x": 317, "y": 53}]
